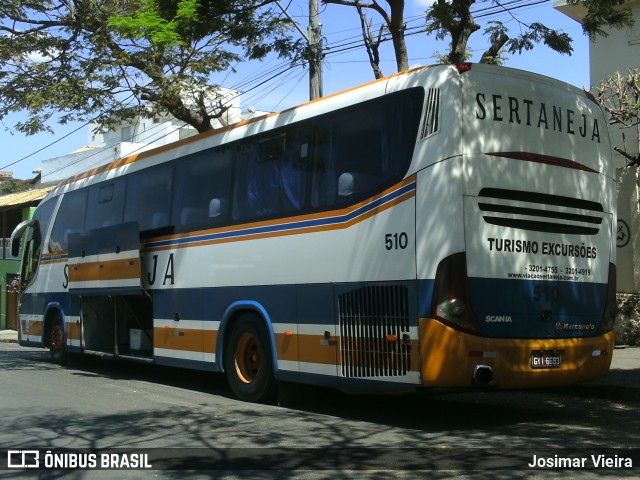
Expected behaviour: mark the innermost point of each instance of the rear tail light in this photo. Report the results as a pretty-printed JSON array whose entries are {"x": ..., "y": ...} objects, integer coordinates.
[
  {"x": 450, "y": 299},
  {"x": 611, "y": 308},
  {"x": 591, "y": 97},
  {"x": 464, "y": 67}
]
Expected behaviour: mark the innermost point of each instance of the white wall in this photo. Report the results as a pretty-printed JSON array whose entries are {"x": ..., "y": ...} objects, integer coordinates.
[{"x": 619, "y": 51}]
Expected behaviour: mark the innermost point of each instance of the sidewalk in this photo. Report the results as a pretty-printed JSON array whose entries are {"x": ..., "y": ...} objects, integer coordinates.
[{"x": 8, "y": 336}]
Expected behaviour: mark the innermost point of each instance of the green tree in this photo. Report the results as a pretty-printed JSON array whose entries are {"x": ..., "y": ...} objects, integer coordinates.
[
  {"x": 454, "y": 20},
  {"x": 13, "y": 185},
  {"x": 109, "y": 60}
]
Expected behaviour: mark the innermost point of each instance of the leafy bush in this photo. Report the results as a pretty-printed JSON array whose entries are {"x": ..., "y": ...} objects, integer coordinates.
[{"x": 627, "y": 329}]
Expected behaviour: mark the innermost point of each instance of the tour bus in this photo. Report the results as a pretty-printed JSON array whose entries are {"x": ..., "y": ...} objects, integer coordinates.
[{"x": 447, "y": 226}]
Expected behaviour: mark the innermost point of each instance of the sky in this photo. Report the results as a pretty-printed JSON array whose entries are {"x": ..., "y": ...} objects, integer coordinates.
[{"x": 343, "y": 68}]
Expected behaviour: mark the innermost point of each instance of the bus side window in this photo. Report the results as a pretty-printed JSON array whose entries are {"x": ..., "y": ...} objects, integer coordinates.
[
  {"x": 347, "y": 156},
  {"x": 149, "y": 198},
  {"x": 70, "y": 217},
  {"x": 105, "y": 204},
  {"x": 324, "y": 184},
  {"x": 272, "y": 174},
  {"x": 43, "y": 217},
  {"x": 263, "y": 182},
  {"x": 294, "y": 169},
  {"x": 358, "y": 156},
  {"x": 360, "y": 150},
  {"x": 203, "y": 189}
]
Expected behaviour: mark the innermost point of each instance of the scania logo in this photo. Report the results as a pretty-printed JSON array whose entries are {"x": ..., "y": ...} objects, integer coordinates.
[{"x": 498, "y": 319}]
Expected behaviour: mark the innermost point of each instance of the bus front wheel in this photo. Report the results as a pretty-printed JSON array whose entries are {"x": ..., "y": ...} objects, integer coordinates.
[
  {"x": 248, "y": 363},
  {"x": 57, "y": 341}
]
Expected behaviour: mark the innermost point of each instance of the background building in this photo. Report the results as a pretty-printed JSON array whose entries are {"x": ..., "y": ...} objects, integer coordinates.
[
  {"x": 618, "y": 52},
  {"x": 15, "y": 208},
  {"x": 135, "y": 136}
]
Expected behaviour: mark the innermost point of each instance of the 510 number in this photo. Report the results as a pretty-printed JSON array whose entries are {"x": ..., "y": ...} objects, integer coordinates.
[
  {"x": 396, "y": 241},
  {"x": 548, "y": 294}
]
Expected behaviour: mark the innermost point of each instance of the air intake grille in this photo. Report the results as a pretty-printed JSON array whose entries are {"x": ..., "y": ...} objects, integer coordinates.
[
  {"x": 431, "y": 119},
  {"x": 540, "y": 212},
  {"x": 374, "y": 326}
]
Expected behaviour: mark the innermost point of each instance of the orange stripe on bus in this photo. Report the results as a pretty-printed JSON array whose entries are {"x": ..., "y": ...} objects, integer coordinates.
[
  {"x": 303, "y": 218},
  {"x": 325, "y": 228},
  {"x": 74, "y": 332},
  {"x": 312, "y": 351},
  {"x": 191, "y": 340},
  {"x": 178, "y": 339},
  {"x": 104, "y": 270},
  {"x": 287, "y": 346}
]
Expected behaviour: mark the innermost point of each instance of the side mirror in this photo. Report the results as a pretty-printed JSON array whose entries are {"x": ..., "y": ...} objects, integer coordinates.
[{"x": 17, "y": 235}]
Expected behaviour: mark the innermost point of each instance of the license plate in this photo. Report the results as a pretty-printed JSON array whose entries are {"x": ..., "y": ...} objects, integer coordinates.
[{"x": 546, "y": 359}]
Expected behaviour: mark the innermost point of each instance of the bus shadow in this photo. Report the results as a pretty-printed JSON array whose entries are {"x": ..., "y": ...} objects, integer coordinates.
[{"x": 592, "y": 411}]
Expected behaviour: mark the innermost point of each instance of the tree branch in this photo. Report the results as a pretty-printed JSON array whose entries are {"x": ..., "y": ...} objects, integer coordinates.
[
  {"x": 633, "y": 159},
  {"x": 373, "y": 6},
  {"x": 492, "y": 54},
  {"x": 372, "y": 46}
]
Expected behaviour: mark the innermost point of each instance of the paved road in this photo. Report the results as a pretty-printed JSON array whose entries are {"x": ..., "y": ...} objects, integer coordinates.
[{"x": 105, "y": 405}]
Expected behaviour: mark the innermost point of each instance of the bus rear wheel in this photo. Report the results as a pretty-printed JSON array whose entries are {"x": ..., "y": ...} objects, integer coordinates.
[
  {"x": 248, "y": 363},
  {"x": 57, "y": 341}
]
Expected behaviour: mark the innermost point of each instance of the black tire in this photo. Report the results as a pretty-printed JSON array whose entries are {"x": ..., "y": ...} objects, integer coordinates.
[
  {"x": 248, "y": 362},
  {"x": 57, "y": 340}
]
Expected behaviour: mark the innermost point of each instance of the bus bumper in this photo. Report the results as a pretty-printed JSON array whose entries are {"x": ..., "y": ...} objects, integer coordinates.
[{"x": 451, "y": 358}]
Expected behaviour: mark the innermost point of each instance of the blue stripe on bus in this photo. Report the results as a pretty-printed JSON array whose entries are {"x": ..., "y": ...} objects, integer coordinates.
[
  {"x": 279, "y": 225},
  {"x": 523, "y": 316},
  {"x": 282, "y": 225},
  {"x": 310, "y": 304}
]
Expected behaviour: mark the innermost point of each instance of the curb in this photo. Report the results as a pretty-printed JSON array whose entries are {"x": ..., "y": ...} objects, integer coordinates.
[{"x": 9, "y": 337}]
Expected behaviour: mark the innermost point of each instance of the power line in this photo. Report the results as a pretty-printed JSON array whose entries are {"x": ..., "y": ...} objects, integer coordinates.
[
  {"x": 251, "y": 84},
  {"x": 257, "y": 80},
  {"x": 43, "y": 148},
  {"x": 354, "y": 43}
]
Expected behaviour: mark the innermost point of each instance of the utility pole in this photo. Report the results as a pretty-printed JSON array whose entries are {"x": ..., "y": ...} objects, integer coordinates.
[
  {"x": 315, "y": 51},
  {"x": 313, "y": 36}
]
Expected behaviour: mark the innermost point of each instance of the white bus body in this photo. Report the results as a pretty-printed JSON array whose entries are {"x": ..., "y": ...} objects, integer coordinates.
[{"x": 441, "y": 227}]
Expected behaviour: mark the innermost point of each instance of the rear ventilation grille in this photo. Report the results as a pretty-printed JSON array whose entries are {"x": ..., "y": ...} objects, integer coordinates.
[
  {"x": 540, "y": 212},
  {"x": 431, "y": 121},
  {"x": 374, "y": 326}
]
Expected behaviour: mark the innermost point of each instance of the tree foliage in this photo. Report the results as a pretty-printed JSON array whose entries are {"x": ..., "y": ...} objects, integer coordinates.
[
  {"x": 454, "y": 20},
  {"x": 13, "y": 185},
  {"x": 110, "y": 60},
  {"x": 620, "y": 96}
]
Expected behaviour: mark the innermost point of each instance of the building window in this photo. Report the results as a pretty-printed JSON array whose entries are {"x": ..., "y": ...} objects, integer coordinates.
[{"x": 126, "y": 134}]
